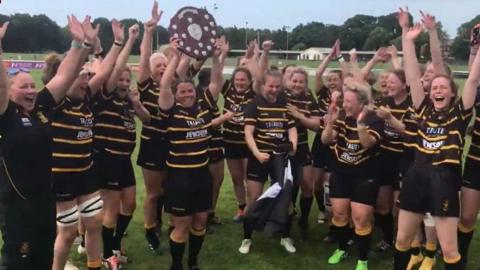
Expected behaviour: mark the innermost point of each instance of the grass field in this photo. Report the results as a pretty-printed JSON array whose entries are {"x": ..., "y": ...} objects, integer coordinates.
[
  {"x": 233, "y": 61},
  {"x": 220, "y": 249}
]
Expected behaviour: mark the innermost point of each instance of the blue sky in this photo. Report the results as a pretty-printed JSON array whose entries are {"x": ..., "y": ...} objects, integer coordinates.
[{"x": 258, "y": 13}]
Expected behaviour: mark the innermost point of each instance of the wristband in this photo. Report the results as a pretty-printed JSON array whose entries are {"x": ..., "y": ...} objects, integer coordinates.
[
  {"x": 117, "y": 43},
  {"x": 86, "y": 45},
  {"x": 76, "y": 44}
]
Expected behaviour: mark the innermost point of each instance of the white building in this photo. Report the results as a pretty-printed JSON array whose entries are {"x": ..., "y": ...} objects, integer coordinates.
[{"x": 314, "y": 54}]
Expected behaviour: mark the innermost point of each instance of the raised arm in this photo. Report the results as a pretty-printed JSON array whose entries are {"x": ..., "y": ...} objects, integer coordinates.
[
  {"x": 108, "y": 63},
  {"x": 329, "y": 134},
  {"x": 263, "y": 63},
  {"x": 435, "y": 47},
  {"x": 218, "y": 62},
  {"x": 380, "y": 55},
  {"x": 412, "y": 69},
  {"x": 122, "y": 59},
  {"x": 73, "y": 61},
  {"x": 4, "y": 83},
  {"x": 393, "y": 53},
  {"x": 183, "y": 66},
  {"x": 324, "y": 64},
  {"x": 166, "y": 98},
  {"x": 137, "y": 105},
  {"x": 146, "y": 45},
  {"x": 472, "y": 83}
]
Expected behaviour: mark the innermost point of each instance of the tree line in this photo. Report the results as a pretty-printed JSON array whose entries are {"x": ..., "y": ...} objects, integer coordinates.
[{"x": 38, "y": 33}]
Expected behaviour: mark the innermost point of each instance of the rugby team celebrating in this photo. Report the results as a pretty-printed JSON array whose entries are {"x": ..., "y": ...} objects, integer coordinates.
[{"x": 390, "y": 149}]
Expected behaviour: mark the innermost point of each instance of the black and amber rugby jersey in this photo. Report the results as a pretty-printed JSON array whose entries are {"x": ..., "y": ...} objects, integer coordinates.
[
  {"x": 271, "y": 121},
  {"x": 189, "y": 133},
  {"x": 216, "y": 142},
  {"x": 114, "y": 130},
  {"x": 149, "y": 91},
  {"x": 307, "y": 105},
  {"x": 438, "y": 137},
  {"x": 474, "y": 151},
  {"x": 393, "y": 141},
  {"x": 348, "y": 150},
  {"x": 72, "y": 123},
  {"x": 236, "y": 102}
]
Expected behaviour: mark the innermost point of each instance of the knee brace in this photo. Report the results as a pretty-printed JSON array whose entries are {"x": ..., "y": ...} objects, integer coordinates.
[
  {"x": 91, "y": 207},
  {"x": 67, "y": 217},
  {"x": 428, "y": 220}
]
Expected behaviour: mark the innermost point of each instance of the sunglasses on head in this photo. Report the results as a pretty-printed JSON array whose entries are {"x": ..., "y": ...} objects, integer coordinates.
[{"x": 15, "y": 71}]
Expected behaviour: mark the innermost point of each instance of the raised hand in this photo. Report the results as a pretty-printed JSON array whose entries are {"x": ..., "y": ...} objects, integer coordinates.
[
  {"x": 118, "y": 30},
  {"x": 414, "y": 31},
  {"x": 353, "y": 55},
  {"x": 75, "y": 28},
  {"x": 428, "y": 21},
  {"x": 362, "y": 116},
  {"x": 90, "y": 32},
  {"x": 134, "y": 31},
  {"x": 256, "y": 50},
  {"x": 175, "y": 44},
  {"x": 225, "y": 47},
  {"x": 156, "y": 16},
  {"x": 381, "y": 54},
  {"x": 336, "y": 51},
  {"x": 403, "y": 18},
  {"x": 267, "y": 45},
  {"x": 3, "y": 30},
  {"x": 392, "y": 50},
  {"x": 134, "y": 96},
  {"x": 332, "y": 113}
]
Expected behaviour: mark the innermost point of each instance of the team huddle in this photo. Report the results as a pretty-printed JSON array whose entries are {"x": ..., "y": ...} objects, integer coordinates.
[{"x": 388, "y": 148}]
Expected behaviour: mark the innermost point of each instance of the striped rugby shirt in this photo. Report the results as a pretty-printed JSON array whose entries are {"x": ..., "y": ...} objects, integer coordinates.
[
  {"x": 189, "y": 132},
  {"x": 72, "y": 123},
  {"x": 438, "y": 137},
  {"x": 235, "y": 101},
  {"x": 114, "y": 130},
  {"x": 271, "y": 120}
]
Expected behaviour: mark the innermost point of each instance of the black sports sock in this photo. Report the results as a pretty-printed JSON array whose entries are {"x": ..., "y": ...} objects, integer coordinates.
[
  {"x": 151, "y": 236},
  {"x": 176, "y": 251},
  {"x": 319, "y": 199},
  {"x": 195, "y": 243},
  {"x": 288, "y": 227},
  {"x": 385, "y": 223},
  {"x": 342, "y": 235},
  {"x": 122, "y": 225},
  {"x": 107, "y": 237},
  {"x": 295, "y": 191},
  {"x": 363, "y": 245},
  {"x": 464, "y": 239},
  {"x": 305, "y": 206},
  {"x": 401, "y": 259},
  {"x": 247, "y": 230},
  {"x": 453, "y": 265}
]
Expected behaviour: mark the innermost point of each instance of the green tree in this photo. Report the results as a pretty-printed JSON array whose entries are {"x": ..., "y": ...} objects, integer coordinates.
[{"x": 461, "y": 44}]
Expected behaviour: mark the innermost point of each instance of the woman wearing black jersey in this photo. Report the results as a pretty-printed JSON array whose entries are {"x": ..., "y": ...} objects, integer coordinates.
[
  {"x": 433, "y": 181},
  {"x": 150, "y": 155},
  {"x": 267, "y": 126},
  {"x": 304, "y": 108},
  {"x": 75, "y": 184},
  {"x": 28, "y": 207},
  {"x": 114, "y": 141},
  {"x": 188, "y": 186},
  {"x": 392, "y": 155},
  {"x": 356, "y": 133}
]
